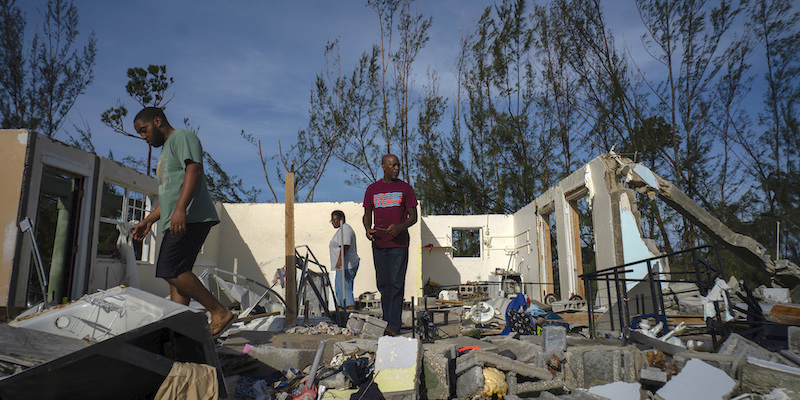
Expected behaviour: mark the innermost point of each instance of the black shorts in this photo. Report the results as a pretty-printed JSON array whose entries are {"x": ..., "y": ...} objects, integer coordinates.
[{"x": 177, "y": 255}]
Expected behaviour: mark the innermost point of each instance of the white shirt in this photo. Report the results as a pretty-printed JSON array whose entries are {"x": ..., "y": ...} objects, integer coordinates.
[{"x": 351, "y": 258}]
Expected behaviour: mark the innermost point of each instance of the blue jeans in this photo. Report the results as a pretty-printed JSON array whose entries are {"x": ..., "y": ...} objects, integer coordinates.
[
  {"x": 390, "y": 273},
  {"x": 349, "y": 277}
]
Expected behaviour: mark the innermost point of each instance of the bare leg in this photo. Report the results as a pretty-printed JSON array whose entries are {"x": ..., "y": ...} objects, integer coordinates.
[
  {"x": 175, "y": 296},
  {"x": 186, "y": 286}
]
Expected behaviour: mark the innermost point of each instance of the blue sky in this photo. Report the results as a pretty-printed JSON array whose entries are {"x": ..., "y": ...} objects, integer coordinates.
[{"x": 250, "y": 65}]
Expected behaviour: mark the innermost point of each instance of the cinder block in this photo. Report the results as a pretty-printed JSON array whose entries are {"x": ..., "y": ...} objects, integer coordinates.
[
  {"x": 652, "y": 376},
  {"x": 511, "y": 382},
  {"x": 397, "y": 366},
  {"x": 587, "y": 366},
  {"x": 554, "y": 339},
  {"x": 439, "y": 370},
  {"x": 601, "y": 367},
  {"x": 526, "y": 352},
  {"x": 469, "y": 383},
  {"x": 370, "y": 327},
  {"x": 355, "y": 323}
]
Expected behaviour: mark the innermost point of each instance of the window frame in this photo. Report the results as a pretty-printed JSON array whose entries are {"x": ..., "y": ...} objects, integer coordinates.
[{"x": 454, "y": 253}]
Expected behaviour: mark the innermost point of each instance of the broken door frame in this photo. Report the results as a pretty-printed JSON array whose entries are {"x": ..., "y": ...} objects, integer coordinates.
[{"x": 42, "y": 152}]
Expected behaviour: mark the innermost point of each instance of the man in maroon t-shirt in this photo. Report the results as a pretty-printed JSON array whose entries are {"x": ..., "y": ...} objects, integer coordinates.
[{"x": 393, "y": 204}]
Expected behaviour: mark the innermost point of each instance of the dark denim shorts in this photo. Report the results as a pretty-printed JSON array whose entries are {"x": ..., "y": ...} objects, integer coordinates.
[{"x": 178, "y": 254}]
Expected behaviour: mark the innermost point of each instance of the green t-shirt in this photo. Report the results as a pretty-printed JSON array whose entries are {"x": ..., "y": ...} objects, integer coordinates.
[{"x": 182, "y": 145}]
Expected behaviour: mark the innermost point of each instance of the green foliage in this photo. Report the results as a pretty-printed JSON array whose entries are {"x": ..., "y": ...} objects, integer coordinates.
[
  {"x": 540, "y": 92},
  {"x": 147, "y": 87},
  {"x": 37, "y": 92}
]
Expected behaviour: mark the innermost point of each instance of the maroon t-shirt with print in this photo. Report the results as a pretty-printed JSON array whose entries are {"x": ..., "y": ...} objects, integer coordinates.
[{"x": 389, "y": 202}]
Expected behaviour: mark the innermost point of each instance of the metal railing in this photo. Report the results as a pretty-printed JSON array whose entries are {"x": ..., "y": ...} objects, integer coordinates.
[{"x": 698, "y": 271}]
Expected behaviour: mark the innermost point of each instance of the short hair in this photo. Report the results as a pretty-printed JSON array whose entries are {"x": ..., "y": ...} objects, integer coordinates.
[
  {"x": 149, "y": 113},
  {"x": 386, "y": 157},
  {"x": 338, "y": 214}
]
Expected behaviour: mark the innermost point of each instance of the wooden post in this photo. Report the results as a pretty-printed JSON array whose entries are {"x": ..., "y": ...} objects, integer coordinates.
[{"x": 291, "y": 285}]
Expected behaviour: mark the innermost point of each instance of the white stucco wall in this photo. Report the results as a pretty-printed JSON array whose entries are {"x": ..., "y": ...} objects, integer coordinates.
[
  {"x": 438, "y": 263},
  {"x": 250, "y": 241},
  {"x": 527, "y": 243}
]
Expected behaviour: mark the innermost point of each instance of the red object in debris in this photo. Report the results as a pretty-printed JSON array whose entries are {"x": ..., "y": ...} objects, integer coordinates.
[
  {"x": 467, "y": 348},
  {"x": 307, "y": 394}
]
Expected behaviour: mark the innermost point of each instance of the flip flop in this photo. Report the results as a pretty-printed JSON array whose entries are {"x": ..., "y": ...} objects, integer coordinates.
[{"x": 225, "y": 326}]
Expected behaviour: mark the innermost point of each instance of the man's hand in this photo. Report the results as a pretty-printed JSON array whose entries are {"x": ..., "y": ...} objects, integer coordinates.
[
  {"x": 395, "y": 229},
  {"x": 141, "y": 230},
  {"x": 370, "y": 234},
  {"x": 177, "y": 225}
]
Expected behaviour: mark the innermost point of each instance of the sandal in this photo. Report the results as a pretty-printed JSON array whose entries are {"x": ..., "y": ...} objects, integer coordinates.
[{"x": 222, "y": 326}]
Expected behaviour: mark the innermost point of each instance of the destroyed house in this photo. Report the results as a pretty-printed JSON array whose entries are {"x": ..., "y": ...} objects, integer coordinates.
[{"x": 78, "y": 203}]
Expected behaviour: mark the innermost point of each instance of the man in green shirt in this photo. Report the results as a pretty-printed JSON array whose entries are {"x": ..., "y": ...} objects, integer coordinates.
[{"x": 186, "y": 212}]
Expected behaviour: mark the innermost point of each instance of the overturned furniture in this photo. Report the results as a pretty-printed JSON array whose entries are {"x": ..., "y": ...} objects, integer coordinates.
[{"x": 120, "y": 343}]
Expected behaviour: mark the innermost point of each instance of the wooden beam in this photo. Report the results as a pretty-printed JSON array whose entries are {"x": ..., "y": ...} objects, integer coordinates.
[{"x": 291, "y": 285}]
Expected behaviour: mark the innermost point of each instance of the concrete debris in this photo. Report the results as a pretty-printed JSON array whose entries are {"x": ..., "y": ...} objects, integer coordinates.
[
  {"x": 367, "y": 325},
  {"x": 741, "y": 349},
  {"x": 762, "y": 376},
  {"x": 618, "y": 390},
  {"x": 356, "y": 346},
  {"x": 772, "y": 295},
  {"x": 322, "y": 328},
  {"x": 485, "y": 358},
  {"x": 587, "y": 366},
  {"x": 698, "y": 380},
  {"x": 278, "y": 358},
  {"x": 397, "y": 364},
  {"x": 781, "y": 394},
  {"x": 466, "y": 341},
  {"x": 525, "y": 351},
  {"x": 555, "y": 339},
  {"x": 554, "y": 365},
  {"x": 652, "y": 376},
  {"x": 794, "y": 339},
  {"x": 439, "y": 370},
  {"x": 470, "y": 382}
]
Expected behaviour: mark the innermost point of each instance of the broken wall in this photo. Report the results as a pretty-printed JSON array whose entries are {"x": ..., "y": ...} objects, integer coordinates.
[
  {"x": 250, "y": 241},
  {"x": 13, "y": 147},
  {"x": 36, "y": 169},
  {"x": 443, "y": 265}
]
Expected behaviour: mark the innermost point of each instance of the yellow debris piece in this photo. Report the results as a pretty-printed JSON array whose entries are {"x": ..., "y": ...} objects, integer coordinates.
[{"x": 494, "y": 382}]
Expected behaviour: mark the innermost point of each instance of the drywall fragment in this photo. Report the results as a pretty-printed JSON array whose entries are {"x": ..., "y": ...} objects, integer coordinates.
[{"x": 698, "y": 380}]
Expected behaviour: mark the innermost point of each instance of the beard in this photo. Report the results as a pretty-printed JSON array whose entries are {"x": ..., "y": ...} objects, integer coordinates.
[{"x": 158, "y": 137}]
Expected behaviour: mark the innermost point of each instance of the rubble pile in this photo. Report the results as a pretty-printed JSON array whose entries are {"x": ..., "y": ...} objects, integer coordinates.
[
  {"x": 553, "y": 365},
  {"x": 260, "y": 359}
]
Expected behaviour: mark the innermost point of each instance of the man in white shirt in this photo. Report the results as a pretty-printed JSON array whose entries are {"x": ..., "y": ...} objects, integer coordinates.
[{"x": 344, "y": 240}]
